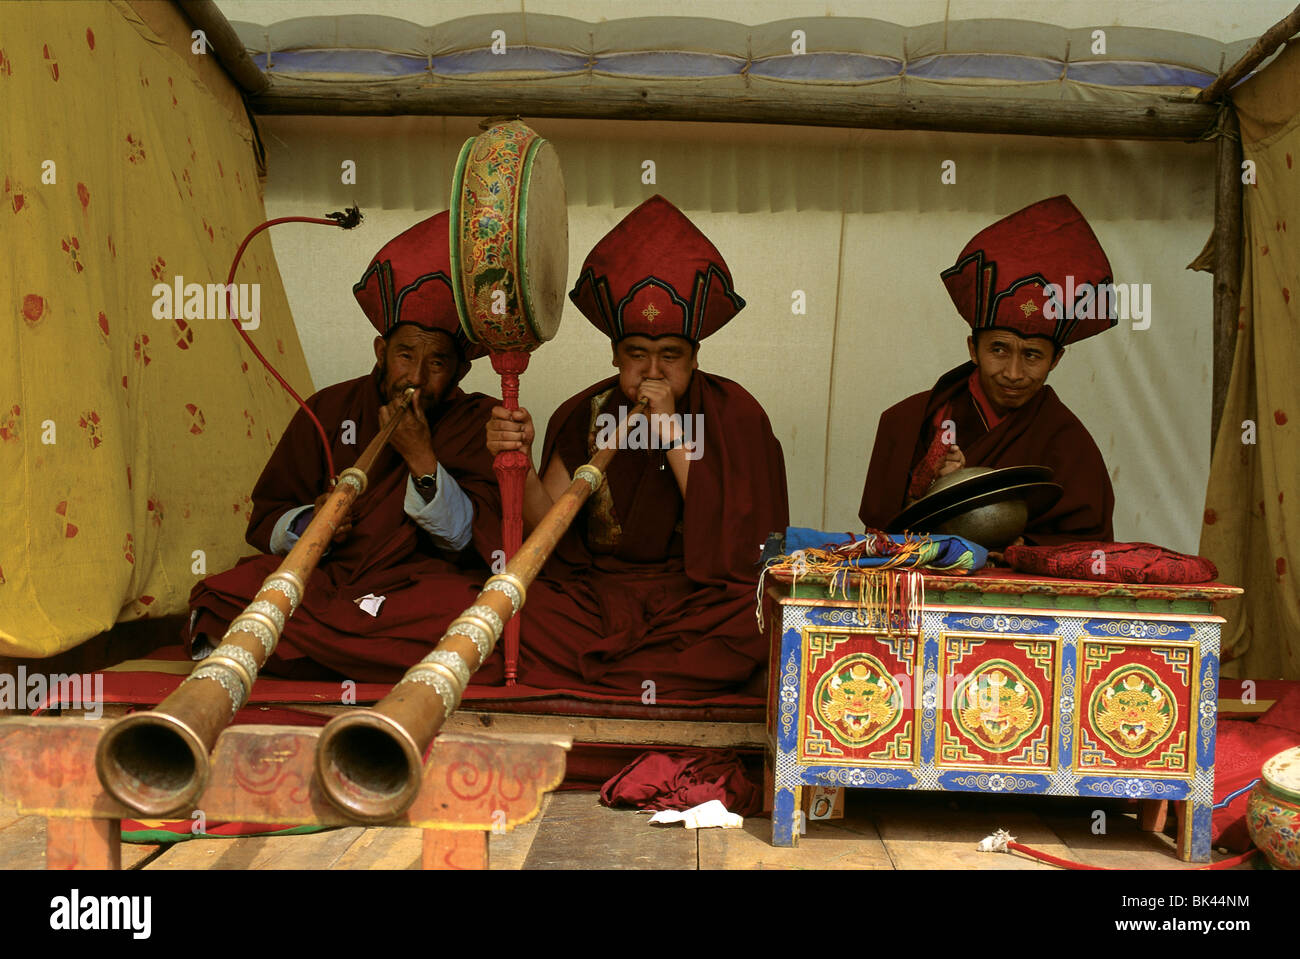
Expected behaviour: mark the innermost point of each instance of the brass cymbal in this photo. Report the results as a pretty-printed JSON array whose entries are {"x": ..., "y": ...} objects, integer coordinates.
[{"x": 964, "y": 484}]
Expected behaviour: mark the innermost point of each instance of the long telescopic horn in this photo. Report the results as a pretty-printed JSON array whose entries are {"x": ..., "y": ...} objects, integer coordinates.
[
  {"x": 369, "y": 761},
  {"x": 156, "y": 762}
]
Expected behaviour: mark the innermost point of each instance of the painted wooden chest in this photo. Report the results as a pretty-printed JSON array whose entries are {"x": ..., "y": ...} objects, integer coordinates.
[{"x": 1005, "y": 683}]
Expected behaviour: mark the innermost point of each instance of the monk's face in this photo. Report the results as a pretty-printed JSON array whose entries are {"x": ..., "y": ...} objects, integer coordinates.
[
  {"x": 1012, "y": 368},
  {"x": 669, "y": 359},
  {"x": 427, "y": 360}
]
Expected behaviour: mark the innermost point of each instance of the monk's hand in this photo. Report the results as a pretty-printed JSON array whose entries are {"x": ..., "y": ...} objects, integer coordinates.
[
  {"x": 345, "y": 525},
  {"x": 412, "y": 438},
  {"x": 509, "y": 430},
  {"x": 658, "y": 395},
  {"x": 954, "y": 461}
]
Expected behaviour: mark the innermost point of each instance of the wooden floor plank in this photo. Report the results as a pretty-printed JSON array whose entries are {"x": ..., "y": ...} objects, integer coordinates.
[
  {"x": 838, "y": 844},
  {"x": 578, "y": 833},
  {"x": 22, "y": 843},
  {"x": 1123, "y": 845},
  {"x": 941, "y": 831},
  {"x": 383, "y": 847},
  {"x": 136, "y": 855},
  {"x": 881, "y": 830},
  {"x": 314, "y": 851}
]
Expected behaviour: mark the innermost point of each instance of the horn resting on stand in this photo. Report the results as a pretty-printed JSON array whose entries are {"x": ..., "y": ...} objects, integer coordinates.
[
  {"x": 369, "y": 762},
  {"x": 156, "y": 762}
]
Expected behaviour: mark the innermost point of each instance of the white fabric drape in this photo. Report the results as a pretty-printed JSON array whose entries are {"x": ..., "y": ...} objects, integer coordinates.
[{"x": 861, "y": 224}]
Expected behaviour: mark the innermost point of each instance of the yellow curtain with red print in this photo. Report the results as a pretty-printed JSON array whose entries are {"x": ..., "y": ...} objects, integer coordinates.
[
  {"x": 128, "y": 444},
  {"x": 1252, "y": 511}
]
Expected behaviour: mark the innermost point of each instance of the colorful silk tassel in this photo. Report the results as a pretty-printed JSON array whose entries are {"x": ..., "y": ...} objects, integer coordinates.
[{"x": 889, "y": 597}]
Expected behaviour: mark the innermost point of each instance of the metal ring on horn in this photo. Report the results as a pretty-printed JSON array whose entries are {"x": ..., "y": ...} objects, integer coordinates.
[
  {"x": 288, "y": 583},
  {"x": 268, "y": 609},
  {"x": 591, "y": 474},
  {"x": 477, "y": 633},
  {"x": 441, "y": 679},
  {"x": 512, "y": 586},
  {"x": 354, "y": 478},
  {"x": 475, "y": 614},
  {"x": 453, "y": 661},
  {"x": 254, "y": 627},
  {"x": 235, "y": 666},
  {"x": 249, "y": 622}
]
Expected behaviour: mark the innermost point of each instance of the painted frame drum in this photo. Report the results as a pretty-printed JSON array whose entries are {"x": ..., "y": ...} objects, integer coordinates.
[{"x": 509, "y": 238}]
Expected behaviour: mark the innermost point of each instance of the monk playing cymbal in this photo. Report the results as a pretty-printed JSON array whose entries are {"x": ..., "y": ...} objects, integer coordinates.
[
  {"x": 654, "y": 582},
  {"x": 1028, "y": 285}
]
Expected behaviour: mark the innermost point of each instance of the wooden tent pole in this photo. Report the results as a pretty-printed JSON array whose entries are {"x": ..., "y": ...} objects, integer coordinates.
[
  {"x": 723, "y": 102},
  {"x": 225, "y": 43},
  {"x": 1227, "y": 260},
  {"x": 1272, "y": 38}
]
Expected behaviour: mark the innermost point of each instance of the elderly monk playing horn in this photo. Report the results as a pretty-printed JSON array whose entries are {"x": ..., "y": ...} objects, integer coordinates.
[
  {"x": 655, "y": 580},
  {"x": 414, "y": 551},
  {"x": 1028, "y": 285}
]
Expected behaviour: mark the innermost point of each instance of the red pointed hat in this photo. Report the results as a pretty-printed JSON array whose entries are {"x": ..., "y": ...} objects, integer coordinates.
[
  {"x": 656, "y": 274},
  {"x": 1001, "y": 277},
  {"x": 409, "y": 281}
]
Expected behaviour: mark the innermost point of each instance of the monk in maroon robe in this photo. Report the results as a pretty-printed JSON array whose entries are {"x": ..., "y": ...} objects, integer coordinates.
[
  {"x": 415, "y": 549},
  {"x": 1028, "y": 285},
  {"x": 652, "y": 590}
]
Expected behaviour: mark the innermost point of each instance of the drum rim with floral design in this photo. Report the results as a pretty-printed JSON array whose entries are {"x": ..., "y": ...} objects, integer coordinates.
[{"x": 504, "y": 178}]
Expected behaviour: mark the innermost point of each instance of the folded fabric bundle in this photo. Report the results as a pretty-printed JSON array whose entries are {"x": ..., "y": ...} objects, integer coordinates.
[
  {"x": 881, "y": 572},
  {"x": 683, "y": 779},
  {"x": 875, "y": 549},
  {"x": 1112, "y": 563}
]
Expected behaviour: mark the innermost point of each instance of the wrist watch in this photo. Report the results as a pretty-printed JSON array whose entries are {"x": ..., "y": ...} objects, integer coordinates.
[{"x": 427, "y": 485}]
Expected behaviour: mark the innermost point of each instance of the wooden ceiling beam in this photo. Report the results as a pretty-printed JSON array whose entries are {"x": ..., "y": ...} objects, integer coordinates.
[{"x": 706, "y": 101}]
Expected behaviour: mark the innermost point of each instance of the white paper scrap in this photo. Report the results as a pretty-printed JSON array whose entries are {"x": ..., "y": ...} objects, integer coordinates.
[
  {"x": 711, "y": 813},
  {"x": 370, "y": 603}
]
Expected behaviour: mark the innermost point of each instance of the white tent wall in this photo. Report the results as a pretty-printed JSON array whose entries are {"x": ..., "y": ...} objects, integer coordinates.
[{"x": 856, "y": 220}]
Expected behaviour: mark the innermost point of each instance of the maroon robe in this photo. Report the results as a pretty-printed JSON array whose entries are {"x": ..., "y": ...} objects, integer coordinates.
[
  {"x": 385, "y": 553},
  {"x": 1043, "y": 432},
  {"x": 673, "y": 601}
]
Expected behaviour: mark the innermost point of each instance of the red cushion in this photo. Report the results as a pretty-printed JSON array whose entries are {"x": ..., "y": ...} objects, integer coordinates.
[{"x": 1117, "y": 563}]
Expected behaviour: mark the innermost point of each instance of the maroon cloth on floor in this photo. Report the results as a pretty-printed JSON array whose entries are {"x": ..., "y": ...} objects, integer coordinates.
[
  {"x": 1125, "y": 563},
  {"x": 1240, "y": 750},
  {"x": 386, "y": 553},
  {"x": 685, "y": 778},
  {"x": 673, "y": 602},
  {"x": 1043, "y": 432}
]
